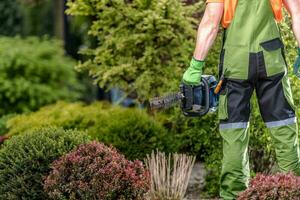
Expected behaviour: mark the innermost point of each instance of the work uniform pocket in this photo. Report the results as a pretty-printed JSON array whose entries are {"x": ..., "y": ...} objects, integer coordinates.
[
  {"x": 236, "y": 60},
  {"x": 223, "y": 104},
  {"x": 274, "y": 57}
]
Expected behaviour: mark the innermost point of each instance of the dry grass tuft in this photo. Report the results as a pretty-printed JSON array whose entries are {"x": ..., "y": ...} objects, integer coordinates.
[{"x": 169, "y": 175}]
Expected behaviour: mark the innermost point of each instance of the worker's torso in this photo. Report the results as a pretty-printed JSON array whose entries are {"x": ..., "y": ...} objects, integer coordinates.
[{"x": 253, "y": 30}]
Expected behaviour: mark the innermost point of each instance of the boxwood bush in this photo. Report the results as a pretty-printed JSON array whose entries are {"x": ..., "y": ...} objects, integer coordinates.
[
  {"x": 25, "y": 160},
  {"x": 34, "y": 72},
  {"x": 130, "y": 130}
]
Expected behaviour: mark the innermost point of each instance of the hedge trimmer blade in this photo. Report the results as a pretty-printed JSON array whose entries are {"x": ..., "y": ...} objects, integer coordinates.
[{"x": 165, "y": 101}]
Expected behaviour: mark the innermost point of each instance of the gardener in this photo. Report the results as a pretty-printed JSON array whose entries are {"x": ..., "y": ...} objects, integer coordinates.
[{"x": 252, "y": 58}]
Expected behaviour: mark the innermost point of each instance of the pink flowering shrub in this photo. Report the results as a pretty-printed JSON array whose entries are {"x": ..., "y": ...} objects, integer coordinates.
[
  {"x": 95, "y": 171},
  {"x": 279, "y": 187}
]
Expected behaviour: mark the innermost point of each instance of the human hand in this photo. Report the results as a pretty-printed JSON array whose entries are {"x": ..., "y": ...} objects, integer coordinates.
[{"x": 192, "y": 76}]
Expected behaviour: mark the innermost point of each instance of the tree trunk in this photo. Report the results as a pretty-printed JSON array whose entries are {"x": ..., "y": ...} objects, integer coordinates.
[{"x": 59, "y": 22}]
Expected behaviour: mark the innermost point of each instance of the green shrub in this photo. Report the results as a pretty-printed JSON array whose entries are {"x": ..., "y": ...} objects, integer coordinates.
[
  {"x": 34, "y": 72},
  {"x": 130, "y": 130},
  {"x": 3, "y": 123},
  {"x": 143, "y": 46},
  {"x": 10, "y": 18},
  {"x": 25, "y": 160}
]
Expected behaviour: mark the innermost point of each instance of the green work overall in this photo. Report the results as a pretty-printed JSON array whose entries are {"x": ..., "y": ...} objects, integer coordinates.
[{"x": 252, "y": 59}]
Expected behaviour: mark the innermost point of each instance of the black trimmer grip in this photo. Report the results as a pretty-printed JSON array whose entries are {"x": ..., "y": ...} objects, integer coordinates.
[
  {"x": 188, "y": 93},
  {"x": 188, "y": 100}
]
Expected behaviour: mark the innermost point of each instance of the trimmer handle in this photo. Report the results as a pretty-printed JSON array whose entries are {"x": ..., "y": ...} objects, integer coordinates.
[{"x": 193, "y": 96}]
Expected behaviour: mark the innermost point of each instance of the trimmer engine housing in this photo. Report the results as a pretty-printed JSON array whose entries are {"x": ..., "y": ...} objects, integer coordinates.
[{"x": 199, "y": 100}]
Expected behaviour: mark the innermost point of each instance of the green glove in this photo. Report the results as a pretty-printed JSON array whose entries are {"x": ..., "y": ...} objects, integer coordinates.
[
  {"x": 297, "y": 65},
  {"x": 192, "y": 76}
]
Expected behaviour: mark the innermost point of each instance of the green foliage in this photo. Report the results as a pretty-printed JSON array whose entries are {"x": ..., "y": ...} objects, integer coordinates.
[
  {"x": 10, "y": 18},
  {"x": 34, "y": 13},
  {"x": 143, "y": 46},
  {"x": 25, "y": 160},
  {"x": 3, "y": 123},
  {"x": 291, "y": 55},
  {"x": 34, "y": 72},
  {"x": 132, "y": 131},
  {"x": 26, "y": 17}
]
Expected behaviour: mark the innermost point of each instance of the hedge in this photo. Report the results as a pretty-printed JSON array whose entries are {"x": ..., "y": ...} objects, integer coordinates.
[
  {"x": 130, "y": 130},
  {"x": 3, "y": 123},
  {"x": 34, "y": 72},
  {"x": 25, "y": 160}
]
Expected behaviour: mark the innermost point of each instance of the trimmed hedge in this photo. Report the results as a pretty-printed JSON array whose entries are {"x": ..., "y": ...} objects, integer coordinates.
[
  {"x": 25, "y": 160},
  {"x": 34, "y": 72},
  {"x": 130, "y": 130}
]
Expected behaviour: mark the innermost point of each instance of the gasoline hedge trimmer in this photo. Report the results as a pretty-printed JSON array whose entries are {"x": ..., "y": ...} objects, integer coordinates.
[{"x": 196, "y": 101}]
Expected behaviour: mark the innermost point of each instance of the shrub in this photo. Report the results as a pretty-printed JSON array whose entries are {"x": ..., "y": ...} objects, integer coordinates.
[
  {"x": 279, "y": 186},
  {"x": 143, "y": 46},
  {"x": 34, "y": 72},
  {"x": 3, "y": 123},
  {"x": 3, "y": 127},
  {"x": 130, "y": 130},
  {"x": 25, "y": 159},
  {"x": 81, "y": 174},
  {"x": 10, "y": 18}
]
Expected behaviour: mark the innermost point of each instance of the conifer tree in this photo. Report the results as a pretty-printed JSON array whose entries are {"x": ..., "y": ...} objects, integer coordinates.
[{"x": 143, "y": 45}]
